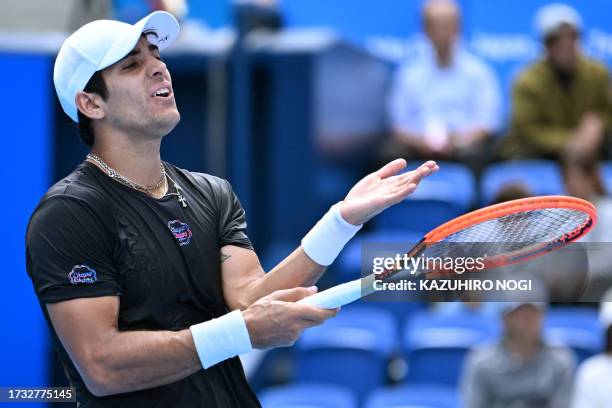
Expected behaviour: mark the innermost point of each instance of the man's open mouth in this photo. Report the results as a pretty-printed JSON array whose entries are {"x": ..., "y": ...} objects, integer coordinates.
[{"x": 162, "y": 92}]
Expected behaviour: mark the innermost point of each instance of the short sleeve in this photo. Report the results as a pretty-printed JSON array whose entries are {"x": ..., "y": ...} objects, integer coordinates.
[
  {"x": 69, "y": 251},
  {"x": 232, "y": 225}
]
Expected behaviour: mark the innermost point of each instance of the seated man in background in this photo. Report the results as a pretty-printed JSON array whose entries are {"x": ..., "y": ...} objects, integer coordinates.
[
  {"x": 521, "y": 370},
  {"x": 445, "y": 104},
  {"x": 561, "y": 103}
]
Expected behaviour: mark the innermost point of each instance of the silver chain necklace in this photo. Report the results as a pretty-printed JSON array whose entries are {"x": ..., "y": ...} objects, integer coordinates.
[
  {"x": 145, "y": 189},
  {"x": 126, "y": 181}
]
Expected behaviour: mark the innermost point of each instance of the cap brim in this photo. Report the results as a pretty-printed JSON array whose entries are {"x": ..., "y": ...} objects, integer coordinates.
[{"x": 163, "y": 24}]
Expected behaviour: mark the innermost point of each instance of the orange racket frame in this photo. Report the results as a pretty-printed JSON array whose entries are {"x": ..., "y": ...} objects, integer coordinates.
[{"x": 508, "y": 208}]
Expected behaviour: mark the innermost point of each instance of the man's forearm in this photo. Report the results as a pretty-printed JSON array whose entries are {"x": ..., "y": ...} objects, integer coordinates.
[
  {"x": 136, "y": 360},
  {"x": 295, "y": 270}
]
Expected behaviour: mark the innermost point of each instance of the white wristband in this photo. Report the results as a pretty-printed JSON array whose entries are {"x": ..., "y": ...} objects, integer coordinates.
[
  {"x": 326, "y": 239},
  {"x": 222, "y": 338}
]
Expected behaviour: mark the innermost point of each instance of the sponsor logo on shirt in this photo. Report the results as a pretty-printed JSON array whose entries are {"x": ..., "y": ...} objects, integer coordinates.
[
  {"x": 181, "y": 231},
  {"x": 82, "y": 274}
]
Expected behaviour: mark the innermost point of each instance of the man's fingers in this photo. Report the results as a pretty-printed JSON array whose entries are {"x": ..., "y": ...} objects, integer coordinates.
[
  {"x": 315, "y": 315},
  {"x": 423, "y": 171},
  {"x": 420, "y": 174},
  {"x": 429, "y": 163},
  {"x": 391, "y": 168},
  {"x": 414, "y": 176},
  {"x": 293, "y": 294},
  {"x": 395, "y": 195}
]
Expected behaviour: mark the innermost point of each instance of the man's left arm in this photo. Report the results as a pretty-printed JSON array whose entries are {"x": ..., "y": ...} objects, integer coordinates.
[{"x": 243, "y": 278}]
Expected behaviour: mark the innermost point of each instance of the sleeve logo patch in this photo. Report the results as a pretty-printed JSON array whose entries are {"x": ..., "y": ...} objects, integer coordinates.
[
  {"x": 181, "y": 231},
  {"x": 82, "y": 274}
]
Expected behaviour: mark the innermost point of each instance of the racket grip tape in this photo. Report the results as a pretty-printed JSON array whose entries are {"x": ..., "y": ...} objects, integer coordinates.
[{"x": 334, "y": 297}]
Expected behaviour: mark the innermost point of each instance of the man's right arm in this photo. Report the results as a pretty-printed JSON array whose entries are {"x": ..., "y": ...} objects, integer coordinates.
[{"x": 112, "y": 361}]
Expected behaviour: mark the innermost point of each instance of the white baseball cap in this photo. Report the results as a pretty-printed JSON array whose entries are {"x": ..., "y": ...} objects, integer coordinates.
[
  {"x": 550, "y": 18},
  {"x": 100, "y": 44}
]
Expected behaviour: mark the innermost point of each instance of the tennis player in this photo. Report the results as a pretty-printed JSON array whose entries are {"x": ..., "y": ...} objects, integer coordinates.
[{"x": 144, "y": 271}]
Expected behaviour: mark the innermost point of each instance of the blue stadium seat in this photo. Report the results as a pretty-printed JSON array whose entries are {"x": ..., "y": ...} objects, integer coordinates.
[
  {"x": 440, "y": 197},
  {"x": 333, "y": 181},
  {"x": 350, "y": 350},
  {"x": 575, "y": 327},
  {"x": 348, "y": 265},
  {"x": 454, "y": 183},
  {"x": 308, "y": 396},
  {"x": 436, "y": 344},
  {"x": 540, "y": 177},
  {"x": 414, "y": 396},
  {"x": 606, "y": 175}
]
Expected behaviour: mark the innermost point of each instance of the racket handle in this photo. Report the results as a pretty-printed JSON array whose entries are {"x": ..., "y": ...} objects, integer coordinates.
[{"x": 337, "y": 296}]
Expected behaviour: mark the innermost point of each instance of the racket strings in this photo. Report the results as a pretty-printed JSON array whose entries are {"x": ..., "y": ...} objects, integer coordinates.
[
  {"x": 514, "y": 233},
  {"x": 534, "y": 226}
]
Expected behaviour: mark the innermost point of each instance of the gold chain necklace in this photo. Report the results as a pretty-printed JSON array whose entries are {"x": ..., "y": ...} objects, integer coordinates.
[{"x": 126, "y": 181}]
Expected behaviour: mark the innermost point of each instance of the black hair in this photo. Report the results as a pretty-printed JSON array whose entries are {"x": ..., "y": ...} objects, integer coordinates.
[
  {"x": 552, "y": 37},
  {"x": 95, "y": 85}
]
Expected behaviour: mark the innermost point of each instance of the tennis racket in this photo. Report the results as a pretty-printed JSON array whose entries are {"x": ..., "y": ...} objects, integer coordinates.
[{"x": 523, "y": 229}]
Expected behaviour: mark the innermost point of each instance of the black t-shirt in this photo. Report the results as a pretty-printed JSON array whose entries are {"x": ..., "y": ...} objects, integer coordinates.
[{"x": 92, "y": 236}]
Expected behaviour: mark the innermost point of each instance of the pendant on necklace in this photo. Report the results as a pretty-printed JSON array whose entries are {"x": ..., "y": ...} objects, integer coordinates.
[
  {"x": 181, "y": 200},
  {"x": 179, "y": 196}
]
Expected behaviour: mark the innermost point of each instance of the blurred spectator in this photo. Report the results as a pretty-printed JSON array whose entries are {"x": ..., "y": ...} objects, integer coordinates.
[
  {"x": 446, "y": 104},
  {"x": 561, "y": 104},
  {"x": 511, "y": 191},
  {"x": 42, "y": 15},
  {"x": 594, "y": 376},
  {"x": 521, "y": 370}
]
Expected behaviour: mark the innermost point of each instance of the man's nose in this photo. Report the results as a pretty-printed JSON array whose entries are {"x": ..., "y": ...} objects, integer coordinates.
[{"x": 155, "y": 67}]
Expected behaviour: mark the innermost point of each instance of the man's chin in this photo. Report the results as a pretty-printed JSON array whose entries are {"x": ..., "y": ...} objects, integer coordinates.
[
  {"x": 170, "y": 122},
  {"x": 161, "y": 125}
]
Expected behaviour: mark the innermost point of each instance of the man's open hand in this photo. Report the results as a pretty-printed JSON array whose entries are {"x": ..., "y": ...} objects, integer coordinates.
[{"x": 382, "y": 189}]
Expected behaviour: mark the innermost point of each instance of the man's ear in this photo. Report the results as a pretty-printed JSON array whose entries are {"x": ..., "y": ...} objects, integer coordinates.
[{"x": 90, "y": 104}]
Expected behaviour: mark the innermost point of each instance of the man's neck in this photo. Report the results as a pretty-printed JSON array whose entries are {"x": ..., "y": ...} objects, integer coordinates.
[
  {"x": 525, "y": 348},
  {"x": 444, "y": 59},
  {"x": 136, "y": 159}
]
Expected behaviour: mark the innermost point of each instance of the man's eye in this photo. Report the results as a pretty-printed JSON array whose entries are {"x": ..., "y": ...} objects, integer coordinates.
[{"x": 130, "y": 65}]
